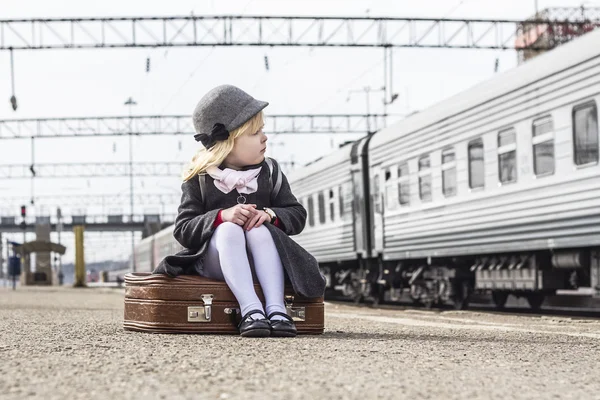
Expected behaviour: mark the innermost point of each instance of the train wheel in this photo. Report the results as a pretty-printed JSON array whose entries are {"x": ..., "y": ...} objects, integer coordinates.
[
  {"x": 535, "y": 300},
  {"x": 417, "y": 294},
  {"x": 499, "y": 299},
  {"x": 428, "y": 303}
]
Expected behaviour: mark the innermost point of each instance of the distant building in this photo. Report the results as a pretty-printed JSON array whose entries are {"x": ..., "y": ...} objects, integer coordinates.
[{"x": 560, "y": 29}]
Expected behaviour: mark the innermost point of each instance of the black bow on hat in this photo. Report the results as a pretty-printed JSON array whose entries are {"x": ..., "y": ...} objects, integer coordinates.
[{"x": 217, "y": 134}]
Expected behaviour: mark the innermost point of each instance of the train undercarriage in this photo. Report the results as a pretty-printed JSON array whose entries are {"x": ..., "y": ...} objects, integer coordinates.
[{"x": 533, "y": 276}]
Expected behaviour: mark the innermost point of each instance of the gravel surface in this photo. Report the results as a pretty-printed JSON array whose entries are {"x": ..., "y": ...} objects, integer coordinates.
[{"x": 63, "y": 343}]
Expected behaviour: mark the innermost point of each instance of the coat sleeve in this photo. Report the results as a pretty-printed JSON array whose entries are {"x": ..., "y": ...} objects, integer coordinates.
[
  {"x": 193, "y": 225},
  {"x": 289, "y": 211}
]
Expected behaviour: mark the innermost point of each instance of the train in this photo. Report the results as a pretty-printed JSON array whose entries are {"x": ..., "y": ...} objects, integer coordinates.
[{"x": 494, "y": 191}]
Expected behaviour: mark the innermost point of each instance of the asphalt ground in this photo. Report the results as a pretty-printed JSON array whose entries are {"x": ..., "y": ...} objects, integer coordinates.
[{"x": 64, "y": 343}]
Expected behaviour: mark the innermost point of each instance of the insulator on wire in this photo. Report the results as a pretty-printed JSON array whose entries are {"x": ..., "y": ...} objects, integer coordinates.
[
  {"x": 148, "y": 64},
  {"x": 13, "y": 102},
  {"x": 266, "y": 62}
]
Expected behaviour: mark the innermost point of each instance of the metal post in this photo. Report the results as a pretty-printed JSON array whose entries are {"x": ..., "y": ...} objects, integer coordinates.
[
  {"x": 2, "y": 262},
  {"x": 79, "y": 257},
  {"x": 7, "y": 257},
  {"x": 32, "y": 169},
  {"x": 59, "y": 228},
  {"x": 130, "y": 102},
  {"x": 13, "y": 98},
  {"x": 14, "y": 276},
  {"x": 391, "y": 72},
  {"x": 385, "y": 79},
  {"x": 367, "y": 90}
]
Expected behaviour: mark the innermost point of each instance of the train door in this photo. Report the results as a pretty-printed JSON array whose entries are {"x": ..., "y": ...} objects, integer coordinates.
[
  {"x": 377, "y": 209},
  {"x": 595, "y": 269},
  {"x": 358, "y": 214}
]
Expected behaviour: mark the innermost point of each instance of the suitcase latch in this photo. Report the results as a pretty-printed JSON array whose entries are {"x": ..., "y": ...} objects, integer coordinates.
[
  {"x": 297, "y": 313},
  {"x": 201, "y": 314}
]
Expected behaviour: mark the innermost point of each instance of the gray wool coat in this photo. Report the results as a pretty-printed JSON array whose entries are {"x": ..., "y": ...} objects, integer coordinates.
[{"x": 194, "y": 229}]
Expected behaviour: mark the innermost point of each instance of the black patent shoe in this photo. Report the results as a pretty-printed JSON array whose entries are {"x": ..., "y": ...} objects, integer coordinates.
[
  {"x": 282, "y": 328},
  {"x": 254, "y": 327}
]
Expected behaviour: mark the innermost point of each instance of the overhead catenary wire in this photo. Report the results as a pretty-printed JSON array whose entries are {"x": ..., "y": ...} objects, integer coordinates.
[{"x": 190, "y": 76}]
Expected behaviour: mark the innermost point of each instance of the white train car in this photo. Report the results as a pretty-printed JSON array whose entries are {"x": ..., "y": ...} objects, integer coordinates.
[
  {"x": 325, "y": 189},
  {"x": 143, "y": 259},
  {"x": 337, "y": 226},
  {"x": 152, "y": 249},
  {"x": 506, "y": 173},
  {"x": 496, "y": 189}
]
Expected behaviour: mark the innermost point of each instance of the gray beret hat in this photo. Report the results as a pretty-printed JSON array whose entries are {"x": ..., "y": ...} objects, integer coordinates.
[{"x": 227, "y": 107}]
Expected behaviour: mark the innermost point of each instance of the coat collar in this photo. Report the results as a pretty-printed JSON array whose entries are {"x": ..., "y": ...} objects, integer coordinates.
[{"x": 247, "y": 167}]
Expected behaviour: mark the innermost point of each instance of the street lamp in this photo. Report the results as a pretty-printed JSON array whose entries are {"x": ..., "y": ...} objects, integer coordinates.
[{"x": 130, "y": 103}]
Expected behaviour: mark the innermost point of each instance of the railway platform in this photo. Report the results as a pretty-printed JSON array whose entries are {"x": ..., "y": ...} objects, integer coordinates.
[{"x": 65, "y": 343}]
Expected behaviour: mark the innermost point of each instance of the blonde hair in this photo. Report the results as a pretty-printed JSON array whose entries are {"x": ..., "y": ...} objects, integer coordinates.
[{"x": 203, "y": 159}]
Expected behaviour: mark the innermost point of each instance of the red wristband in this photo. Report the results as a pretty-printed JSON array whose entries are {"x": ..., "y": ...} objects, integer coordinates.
[{"x": 218, "y": 220}]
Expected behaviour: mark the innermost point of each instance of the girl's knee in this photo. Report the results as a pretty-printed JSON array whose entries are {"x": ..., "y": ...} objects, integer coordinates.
[
  {"x": 258, "y": 235},
  {"x": 231, "y": 233}
]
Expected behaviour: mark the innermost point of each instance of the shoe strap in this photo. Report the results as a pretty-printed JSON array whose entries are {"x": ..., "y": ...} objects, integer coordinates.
[
  {"x": 249, "y": 313},
  {"x": 280, "y": 314}
]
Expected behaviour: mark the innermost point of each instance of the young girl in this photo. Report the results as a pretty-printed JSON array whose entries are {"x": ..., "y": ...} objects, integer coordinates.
[{"x": 229, "y": 215}]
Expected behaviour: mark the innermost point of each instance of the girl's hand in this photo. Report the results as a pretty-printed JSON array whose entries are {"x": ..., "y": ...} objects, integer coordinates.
[
  {"x": 239, "y": 214},
  {"x": 257, "y": 220}
]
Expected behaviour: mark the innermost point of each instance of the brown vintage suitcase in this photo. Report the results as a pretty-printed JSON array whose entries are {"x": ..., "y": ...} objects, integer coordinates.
[{"x": 194, "y": 304}]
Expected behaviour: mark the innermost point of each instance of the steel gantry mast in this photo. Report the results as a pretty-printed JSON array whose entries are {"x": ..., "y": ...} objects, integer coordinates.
[
  {"x": 105, "y": 200},
  {"x": 179, "y": 125},
  {"x": 91, "y": 170},
  {"x": 243, "y": 30}
]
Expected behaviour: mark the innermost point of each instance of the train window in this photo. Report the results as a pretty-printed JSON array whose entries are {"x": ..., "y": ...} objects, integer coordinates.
[
  {"x": 390, "y": 190},
  {"x": 311, "y": 211},
  {"x": 346, "y": 199},
  {"x": 585, "y": 134},
  {"x": 341, "y": 200},
  {"x": 543, "y": 146},
  {"x": 448, "y": 172},
  {"x": 403, "y": 184},
  {"x": 376, "y": 185},
  {"x": 377, "y": 194},
  {"x": 507, "y": 156},
  {"x": 476, "y": 164},
  {"x": 424, "y": 163},
  {"x": 331, "y": 205},
  {"x": 424, "y": 178},
  {"x": 321, "y": 205}
]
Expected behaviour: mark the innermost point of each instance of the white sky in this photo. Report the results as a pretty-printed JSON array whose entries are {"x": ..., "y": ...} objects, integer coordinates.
[{"x": 72, "y": 83}]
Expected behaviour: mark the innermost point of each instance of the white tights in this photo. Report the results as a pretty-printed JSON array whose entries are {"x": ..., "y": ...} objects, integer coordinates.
[{"x": 227, "y": 259}]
